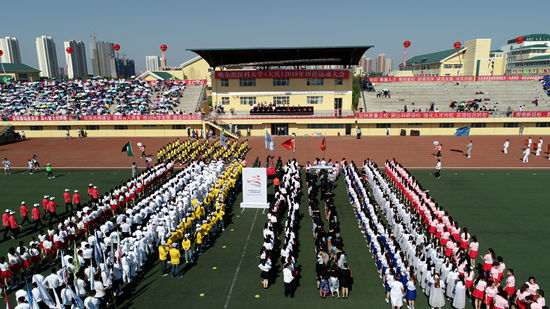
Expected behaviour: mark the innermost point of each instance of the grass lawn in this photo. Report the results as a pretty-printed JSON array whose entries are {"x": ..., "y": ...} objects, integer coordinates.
[{"x": 507, "y": 211}]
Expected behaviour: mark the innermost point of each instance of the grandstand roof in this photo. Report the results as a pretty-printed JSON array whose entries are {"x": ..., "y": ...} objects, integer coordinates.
[
  {"x": 532, "y": 37},
  {"x": 432, "y": 57},
  {"x": 190, "y": 61},
  {"x": 19, "y": 67},
  {"x": 269, "y": 56},
  {"x": 159, "y": 75}
]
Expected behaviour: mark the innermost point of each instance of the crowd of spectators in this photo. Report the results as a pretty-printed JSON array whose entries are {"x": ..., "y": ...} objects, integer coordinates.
[{"x": 89, "y": 97}]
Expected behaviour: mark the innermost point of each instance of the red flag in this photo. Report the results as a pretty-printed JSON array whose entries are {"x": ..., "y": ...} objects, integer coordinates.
[
  {"x": 323, "y": 145},
  {"x": 7, "y": 302},
  {"x": 289, "y": 143}
]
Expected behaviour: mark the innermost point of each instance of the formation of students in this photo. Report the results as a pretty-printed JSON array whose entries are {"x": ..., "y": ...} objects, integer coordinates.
[
  {"x": 287, "y": 199},
  {"x": 452, "y": 253},
  {"x": 139, "y": 208},
  {"x": 332, "y": 271},
  {"x": 191, "y": 150}
]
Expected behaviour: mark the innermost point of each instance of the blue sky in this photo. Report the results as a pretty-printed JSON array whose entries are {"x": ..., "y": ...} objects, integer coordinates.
[{"x": 141, "y": 26}]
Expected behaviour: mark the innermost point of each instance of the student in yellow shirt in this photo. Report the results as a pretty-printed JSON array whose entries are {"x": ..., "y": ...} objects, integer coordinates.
[
  {"x": 219, "y": 214},
  {"x": 198, "y": 240},
  {"x": 186, "y": 245},
  {"x": 163, "y": 257},
  {"x": 175, "y": 259}
]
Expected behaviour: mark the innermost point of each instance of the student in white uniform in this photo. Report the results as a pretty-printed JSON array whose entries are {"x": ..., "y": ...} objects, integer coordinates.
[
  {"x": 526, "y": 155},
  {"x": 539, "y": 147},
  {"x": 396, "y": 293},
  {"x": 506, "y": 145}
]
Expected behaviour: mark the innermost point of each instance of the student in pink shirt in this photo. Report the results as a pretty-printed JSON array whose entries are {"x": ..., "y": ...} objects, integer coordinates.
[
  {"x": 490, "y": 293},
  {"x": 533, "y": 286},
  {"x": 464, "y": 238},
  {"x": 479, "y": 291},
  {"x": 540, "y": 297},
  {"x": 469, "y": 277},
  {"x": 444, "y": 239},
  {"x": 493, "y": 273},
  {"x": 456, "y": 231},
  {"x": 474, "y": 247},
  {"x": 533, "y": 304},
  {"x": 500, "y": 301},
  {"x": 521, "y": 295},
  {"x": 488, "y": 259},
  {"x": 510, "y": 283},
  {"x": 501, "y": 268},
  {"x": 450, "y": 248}
]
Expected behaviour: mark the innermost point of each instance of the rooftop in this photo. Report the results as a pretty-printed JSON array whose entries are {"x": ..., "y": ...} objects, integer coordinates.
[
  {"x": 532, "y": 37},
  {"x": 18, "y": 68},
  {"x": 432, "y": 57},
  {"x": 282, "y": 56}
]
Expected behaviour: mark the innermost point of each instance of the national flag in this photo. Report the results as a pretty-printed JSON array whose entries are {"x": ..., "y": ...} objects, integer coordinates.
[
  {"x": 269, "y": 141},
  {"x": 76, "y": 298},
  {"x": 223, "y": 140},
  {"x": 128, "y": 149},
  {"x": 324, "y": 145},
  {"x": 464, "y": 131},
  {"x": 57, "y": 301},
  {"x": 30, "y": 296},
  {"x": 43, "y": 292},
  {"x": 289, "y": 144}
]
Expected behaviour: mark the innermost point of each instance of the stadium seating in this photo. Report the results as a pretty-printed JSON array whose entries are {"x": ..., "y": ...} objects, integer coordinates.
[
  {"x": 493, "y": 95},
  {"x": 546, "y": 84}
]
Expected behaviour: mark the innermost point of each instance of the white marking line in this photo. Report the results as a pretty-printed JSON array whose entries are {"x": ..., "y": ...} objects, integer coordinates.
[
  {"x": 240, "y": 261},
  {"x": 483, "y": 167}
]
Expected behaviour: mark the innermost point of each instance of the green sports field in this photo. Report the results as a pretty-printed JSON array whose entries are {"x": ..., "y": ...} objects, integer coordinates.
[{"x": 505, "y": 209}]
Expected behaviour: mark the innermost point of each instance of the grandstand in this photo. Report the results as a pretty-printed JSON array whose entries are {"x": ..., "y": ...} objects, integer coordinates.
[{"x": 496, "y": 96}]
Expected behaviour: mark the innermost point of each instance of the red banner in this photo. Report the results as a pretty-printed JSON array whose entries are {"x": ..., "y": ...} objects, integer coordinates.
[
  {"x": 423, "y": 115},
  {"x": 195, "y": 81},
  {"x": 411, "y": 79},
  {"x": 508, "y": 78},
  {"x": 139, "y": 117},
  {"x": 282, "y": 74},
  {"x": 531, "y": 114},
  {"x": 40, "y": 118},
  {"x": 180, "y": 81}
]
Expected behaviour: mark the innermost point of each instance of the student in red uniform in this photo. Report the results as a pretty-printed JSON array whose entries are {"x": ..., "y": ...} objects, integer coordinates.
[
  {"x": 45, "y": 201},
  {"x": 24, "y": 213},
  {"x": 76, "y": 199},
  {"x": 51, "y": 209},
  {"x": 90, "y": 188},
  {"x": 14, "y": 227},
  {"x": 68, "y": 202},
  {"x": 6, "y": 222},
  {"x": 36, "y": 217},
  {"x": 95, "y": 194}
]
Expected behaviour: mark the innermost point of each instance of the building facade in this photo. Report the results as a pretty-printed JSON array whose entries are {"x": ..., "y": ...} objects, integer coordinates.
[
  {"x": 125, "y": 68},
  {"x": 77, "y": 67},
  {"x": 10, "y": 47},
  {"x": 47, "y": 57},
  {"x": 380, "y": 66},
  {"x": 103, "y": 59},
  {"x": 18, "y": 72},
  {"x": 152, "y": 63}
]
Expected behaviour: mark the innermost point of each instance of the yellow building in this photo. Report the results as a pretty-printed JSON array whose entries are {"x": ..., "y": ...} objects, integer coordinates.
[
  {"x": 497, "y": 60},
  {"x": 196, "y": 68},
  {"x": 259, "y": 77},
  {"x": 472, "y": 59},
  {"x": 18, "y": 72}
]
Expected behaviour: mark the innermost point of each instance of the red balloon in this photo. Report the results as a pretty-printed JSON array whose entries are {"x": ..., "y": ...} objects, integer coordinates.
[
  {"x": 69, "y": 50},
  {"x": 407, "y": 44},
  {"x": 457, "y": 45},
  {"x": 116, "y": 47},
  {"x": 1, "y": 53},
  {"x": 163, "y": 47},
  {"x": 520, "y": 39}
]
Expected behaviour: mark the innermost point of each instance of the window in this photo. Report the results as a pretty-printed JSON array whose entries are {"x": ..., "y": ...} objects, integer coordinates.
[
  {"x": 281, "y": 100},
  {"x": 315, "y": 100},
  {"x": 247, "y": 82},
  {"x": 452, "y": 66},
  {"x": 383, "y": 125},
  {"x": 36, "y": 128},
  {"x": 446, "y": 125},
  {"x": 224, "y": 82},
  {"x": 63, "y": 128},
  {"x": 510, "y": 125},
  {"x": 248, "y": 100},
  {"x": 325, "y": 126},
  {"x": 92, "y": 128},
  {"x": 281, "y": 82},
  {"x": 121, "y": 127},
  {"x": 414, "y": 124},
  {"x": 338, "y": 81},
  {"x": 478, "y": 125},
  {"x": 178, "y": 127},
  {"x": 225, "y": 100},
  {"x": 543, "y": 124},
  {"x": 244, "y": 126},
  {"x": 149, "y": 125},
  {"x": 315, "y": 82}
]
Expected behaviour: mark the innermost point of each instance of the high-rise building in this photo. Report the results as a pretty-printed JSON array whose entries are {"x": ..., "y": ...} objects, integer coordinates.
[
  {"x": 76, "y": 62},
  {"x": 365, "y": 64},
  {"x": 10, "y": 47},
  {"x": 125, "y": 68},
  {"x": 47, "y": 57},
  {"x": 380, "y": 65},
  {"x": 152, "y": 63},
  {"x": 103, "y": 59},
  {"x": 388, "y": 70}
]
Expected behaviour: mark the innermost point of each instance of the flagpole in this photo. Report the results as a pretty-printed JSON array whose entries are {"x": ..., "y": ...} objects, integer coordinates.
[{"x": 325, "y": 146}]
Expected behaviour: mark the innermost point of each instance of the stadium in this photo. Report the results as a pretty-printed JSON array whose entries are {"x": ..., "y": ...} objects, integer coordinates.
[{"x": 281, "y": 177}]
